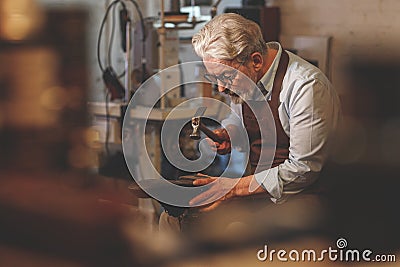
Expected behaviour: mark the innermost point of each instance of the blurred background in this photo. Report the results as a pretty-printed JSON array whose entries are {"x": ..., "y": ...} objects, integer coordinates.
[{"x": 64, "y": 184}]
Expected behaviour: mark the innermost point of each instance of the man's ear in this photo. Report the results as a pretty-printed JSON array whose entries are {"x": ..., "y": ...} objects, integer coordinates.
[{"x": 258, "y": 61}]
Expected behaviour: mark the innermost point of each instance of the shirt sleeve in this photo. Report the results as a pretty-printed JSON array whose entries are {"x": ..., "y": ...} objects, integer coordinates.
[{"x": 312, "y": 113}]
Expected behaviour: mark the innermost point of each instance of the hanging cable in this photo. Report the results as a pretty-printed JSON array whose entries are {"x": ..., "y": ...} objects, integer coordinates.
[
  {"x": 107, "y": 141},
  {"x": 143, "y": 59},
  {"x": 138, "y": 10},
  {"x": 110, "y": 44},
  {"x": 101, "y": 32}
]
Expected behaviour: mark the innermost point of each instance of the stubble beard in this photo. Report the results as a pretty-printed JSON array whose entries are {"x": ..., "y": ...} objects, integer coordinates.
[{"x": 235, "y": 98}]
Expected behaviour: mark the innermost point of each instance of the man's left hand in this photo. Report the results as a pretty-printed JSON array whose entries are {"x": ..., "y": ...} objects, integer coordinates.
[{"x": 215, "y": 191}]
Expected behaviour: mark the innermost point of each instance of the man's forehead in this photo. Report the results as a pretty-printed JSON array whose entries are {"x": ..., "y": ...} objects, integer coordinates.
[{"x": 217, "y": 66}]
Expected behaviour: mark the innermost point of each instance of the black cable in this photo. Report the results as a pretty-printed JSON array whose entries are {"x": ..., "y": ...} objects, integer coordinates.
[
  {"x": 143, "y": 36},
  {"x": 101, "y": 31},
  {"x": 107, "y": 124},
  {"x": 182, "y": 79},
  {"x": 102, "y": 70},
  {"x": 139, "y": 11},
  {"x": 121, "y": 75},
  {"x": 110, "y": 45}
]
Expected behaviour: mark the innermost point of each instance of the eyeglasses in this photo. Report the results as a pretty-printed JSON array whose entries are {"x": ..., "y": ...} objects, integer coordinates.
[{"x": 224, "y": 78}]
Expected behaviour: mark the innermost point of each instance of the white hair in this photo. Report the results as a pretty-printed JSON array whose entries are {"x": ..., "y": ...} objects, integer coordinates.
[{"x": 229, "y": 36}]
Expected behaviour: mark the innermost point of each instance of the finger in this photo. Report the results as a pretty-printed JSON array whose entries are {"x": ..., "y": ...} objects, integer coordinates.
[
  {"x": 203, "y": 175},
  {"x": 222, "y": 146},
  {"x": 199, "y": 199},
  {"x": 218, "y": 133},
  {"x": 210, "y": 142},
  {"x": 212, "y": 206},
  {"x": 203, "y": 181}
]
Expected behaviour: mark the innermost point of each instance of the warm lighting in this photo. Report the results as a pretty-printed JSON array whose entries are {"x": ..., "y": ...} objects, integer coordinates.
[
  {"x": 54, "y": 98},
  {"x": 19, "y": 19},
  {"x": 92, "y": 138},
  {"x": 75, "y": 98}
]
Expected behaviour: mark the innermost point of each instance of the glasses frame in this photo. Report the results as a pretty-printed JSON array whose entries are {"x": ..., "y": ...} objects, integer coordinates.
[{"x": 222, "y": 78}]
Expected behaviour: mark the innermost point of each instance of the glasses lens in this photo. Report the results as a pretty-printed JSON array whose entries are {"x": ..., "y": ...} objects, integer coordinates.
[{"x": 225, "y": 80}]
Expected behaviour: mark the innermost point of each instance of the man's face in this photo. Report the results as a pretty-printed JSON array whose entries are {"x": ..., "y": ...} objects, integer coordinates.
[{"x": 232, "y": 77}]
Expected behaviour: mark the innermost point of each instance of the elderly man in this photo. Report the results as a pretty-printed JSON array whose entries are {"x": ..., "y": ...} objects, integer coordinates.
[{"x": 304, "y": 106}]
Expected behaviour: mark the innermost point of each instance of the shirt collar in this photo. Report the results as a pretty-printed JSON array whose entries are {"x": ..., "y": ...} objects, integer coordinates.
[{"x": 268, "y": 79}]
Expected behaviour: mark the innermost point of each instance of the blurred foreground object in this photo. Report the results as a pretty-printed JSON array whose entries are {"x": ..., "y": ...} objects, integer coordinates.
[
  {"x": 53, "y": 212},
  {"x": 46, "y": 222},
  {"x": 363, "y": 184},
  {"x": 43, "y": 88},
  {"x": 19, "y": 19}
]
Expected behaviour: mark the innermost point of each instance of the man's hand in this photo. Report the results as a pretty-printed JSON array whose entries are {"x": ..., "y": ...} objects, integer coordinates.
[
  {"x": 222, "y": 189},
  {"x": 225, "y": 146}
]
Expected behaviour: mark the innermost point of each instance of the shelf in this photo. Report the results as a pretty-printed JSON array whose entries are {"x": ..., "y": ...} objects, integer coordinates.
[
  {"x": 176, "y": 18},
  {"x": 149, "y": 113},
  {"x": 99, "y": 108},
  {"x": 157, "y": 114}
]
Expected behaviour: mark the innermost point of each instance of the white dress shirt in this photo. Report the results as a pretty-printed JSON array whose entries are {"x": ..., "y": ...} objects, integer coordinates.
[{"x": 309, "y": 113}]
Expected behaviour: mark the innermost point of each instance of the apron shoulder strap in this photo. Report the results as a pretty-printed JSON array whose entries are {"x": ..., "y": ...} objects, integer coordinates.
[{"x": 280, "y": 74}]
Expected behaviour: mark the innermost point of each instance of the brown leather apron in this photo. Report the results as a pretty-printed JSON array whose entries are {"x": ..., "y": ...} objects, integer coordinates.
[{"x": 262, "y": 147}]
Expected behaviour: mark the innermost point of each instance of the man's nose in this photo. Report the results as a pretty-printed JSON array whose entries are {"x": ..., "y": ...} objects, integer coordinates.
[{"x": 221, "y": 87}]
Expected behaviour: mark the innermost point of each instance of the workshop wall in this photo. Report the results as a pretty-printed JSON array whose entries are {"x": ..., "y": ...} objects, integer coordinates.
[
  {"x": 360, "y": 28},
  {"x": 97, "y": 9}
]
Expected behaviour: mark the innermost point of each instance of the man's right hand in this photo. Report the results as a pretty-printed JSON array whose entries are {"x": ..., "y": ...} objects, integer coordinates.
[{"x": 225, "y": 146}]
